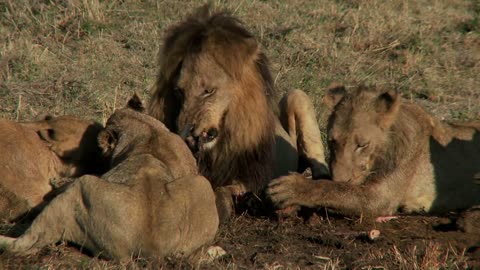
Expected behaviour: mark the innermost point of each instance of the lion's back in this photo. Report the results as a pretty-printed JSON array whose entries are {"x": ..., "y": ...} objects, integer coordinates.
[
  {"x": 192, "y": 203},
  {"x": 455, "y": 165},
  {"x": 445, "y": 169}
]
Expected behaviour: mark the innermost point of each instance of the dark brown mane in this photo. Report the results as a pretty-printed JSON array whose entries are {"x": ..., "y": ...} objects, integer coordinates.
[
  {"x": 232, "y": 42},
  {"x": 254, "y": 165},
  {"x": 225, "y": 39}
]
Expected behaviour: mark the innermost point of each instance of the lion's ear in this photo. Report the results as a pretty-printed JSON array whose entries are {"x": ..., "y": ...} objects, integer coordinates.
[
  {"x": 107, "y": 140},
  {"x": 135, "y": 103},
  {"x": 47, "y": 134},
  {"x": 334, "y": 94},
  {"x": 387, "y": 105},
  {"x": 43, "y": 117}
]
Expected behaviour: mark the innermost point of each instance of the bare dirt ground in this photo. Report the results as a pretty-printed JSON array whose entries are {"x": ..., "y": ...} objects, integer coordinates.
[
  {"x": 333, "y": 242},
  {"x": 323, "y": 241},
  {"x": 85, "y": 57}
]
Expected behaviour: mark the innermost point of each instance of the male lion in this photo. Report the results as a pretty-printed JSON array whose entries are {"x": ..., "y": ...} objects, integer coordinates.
[
  {"x": 34, "y": 153},
  {"x": 151, "y": 203},
  {"x": 214, "y": 88},
  {"x": 389, "y": 156}
]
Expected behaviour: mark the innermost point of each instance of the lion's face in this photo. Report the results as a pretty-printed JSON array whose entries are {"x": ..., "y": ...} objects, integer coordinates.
[
  {"x": 73, "y": 140},
  {"x": 359, "y": 132},
  {"x": 67, "y": 134},
  {"x": 205, "y": 91},
  {"x": 353, "y": 143}
]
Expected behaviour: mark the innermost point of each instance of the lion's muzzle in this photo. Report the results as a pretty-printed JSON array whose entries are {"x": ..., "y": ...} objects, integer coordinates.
[{"x": 197, "y": 142}]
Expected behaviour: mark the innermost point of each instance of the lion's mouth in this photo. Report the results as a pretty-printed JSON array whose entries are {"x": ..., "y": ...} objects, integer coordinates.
[{"x": 204, "y": 141}]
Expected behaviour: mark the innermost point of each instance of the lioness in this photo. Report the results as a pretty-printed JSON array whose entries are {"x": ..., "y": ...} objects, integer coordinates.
[
  {"x": 214, "y": 87},
  {"x": 33, "y": 153},
  {"x": 389, "y": 156},
  {"x": 151, "y": 203}
]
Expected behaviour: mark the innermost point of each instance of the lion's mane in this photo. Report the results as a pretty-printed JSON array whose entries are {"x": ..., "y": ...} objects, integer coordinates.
[{"x": 246, "y": 151}]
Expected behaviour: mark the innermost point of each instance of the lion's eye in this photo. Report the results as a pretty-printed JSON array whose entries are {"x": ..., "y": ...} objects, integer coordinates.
[
  {"x": 209, "y": 91},
  {"x": 362, "y": 145}
]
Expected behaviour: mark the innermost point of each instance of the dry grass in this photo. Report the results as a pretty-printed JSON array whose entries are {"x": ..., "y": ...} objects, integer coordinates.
[
  {"x": 433, "y": 256},
  {"x": 85, "y": 57}
]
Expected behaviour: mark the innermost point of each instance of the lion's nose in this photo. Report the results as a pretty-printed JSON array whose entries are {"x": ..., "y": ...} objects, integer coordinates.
[
  {"x": 212, "y": 134},
  {"x": 209, "y": 135}
]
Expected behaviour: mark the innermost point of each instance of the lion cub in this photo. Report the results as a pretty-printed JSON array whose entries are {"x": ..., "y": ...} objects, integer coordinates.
[
  {"x": 34, "y": 153},
  {"x": 388, "y": 155},
  {"x": 151, "y": 203}
]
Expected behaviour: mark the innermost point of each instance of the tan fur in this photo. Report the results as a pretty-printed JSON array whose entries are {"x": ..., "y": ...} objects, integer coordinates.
[
  {"x": 34, "y": 153},
  {"x": 151, "y": 203},
  {"x": 389, "y": 156},
  {"x": 214, "y": 76}
]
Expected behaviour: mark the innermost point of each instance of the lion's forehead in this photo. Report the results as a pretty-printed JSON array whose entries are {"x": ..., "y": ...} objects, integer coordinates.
[
  {"x": 352, "y": 123},
  {"x": 200, "y": 71}
]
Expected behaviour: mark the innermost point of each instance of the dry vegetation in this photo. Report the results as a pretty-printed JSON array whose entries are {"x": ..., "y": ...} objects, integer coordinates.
[{"x": 84, "y": 57}]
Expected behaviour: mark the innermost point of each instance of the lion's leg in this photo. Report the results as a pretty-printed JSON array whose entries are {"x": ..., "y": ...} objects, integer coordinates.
[
  {"x": 374, "y": 199},
  {"x": 226, "y": 199},
  {"x": 225, "y": 203},
  {"x": 297, "y": 116},
  {"x": 56, "y": 222}
]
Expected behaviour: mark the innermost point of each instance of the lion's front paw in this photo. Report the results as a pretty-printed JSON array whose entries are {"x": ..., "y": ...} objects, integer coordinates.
[{"x": 289, "y": 190}]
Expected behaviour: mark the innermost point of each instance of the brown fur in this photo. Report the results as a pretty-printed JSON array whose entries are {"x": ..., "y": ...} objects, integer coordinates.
[
  {"x": 214, "y": 76},
  {"x": 35, "y": 153},
  {"x": 389, "y": 156},
  {"x": 151, "y": 203},
  {"x": 223, "y": 41}
]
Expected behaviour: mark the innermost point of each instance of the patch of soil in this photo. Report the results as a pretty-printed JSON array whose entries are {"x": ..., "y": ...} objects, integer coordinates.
[
  {"x": 323, "y": 241},
  {"x": 408, "y": 242}
]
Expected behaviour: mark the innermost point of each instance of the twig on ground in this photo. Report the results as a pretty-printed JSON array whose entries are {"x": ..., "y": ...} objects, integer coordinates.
[{"x": 19, "y": 105}]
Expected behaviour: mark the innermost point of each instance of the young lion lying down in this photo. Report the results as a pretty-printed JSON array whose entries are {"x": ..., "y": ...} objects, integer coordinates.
[
  {"x": 34, "y": 153},
  {"x": 151, "y": 203},
  {"x": 387, "y": 156}
]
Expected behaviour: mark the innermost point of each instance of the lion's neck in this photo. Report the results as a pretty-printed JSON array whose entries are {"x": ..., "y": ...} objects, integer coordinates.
[
  {"x": 245, "y": 150},
  {"x": 252, "y": 167},
  {"x": 405, "y": 143}
]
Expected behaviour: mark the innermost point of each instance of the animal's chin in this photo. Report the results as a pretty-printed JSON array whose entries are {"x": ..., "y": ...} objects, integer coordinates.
[
  {"x": 354, "y": 179},
  {"x": 206, "y": 146},
  {"x": 200, "y": 145}
]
